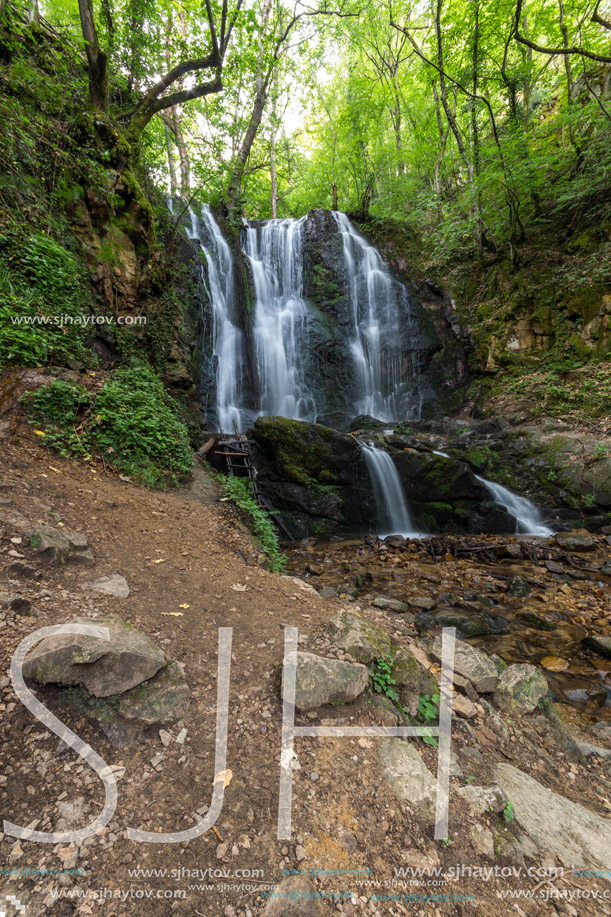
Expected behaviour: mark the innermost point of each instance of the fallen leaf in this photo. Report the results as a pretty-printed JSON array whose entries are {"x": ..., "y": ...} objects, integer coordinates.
[
  {"x": 173, "y": 614},
  {"x": 39, "y": 433},
  {"x": 56, "y": 470},
  {"x": 225, "y": 776},
  {"x": 239, "y": 587},
  {"x": 184, "y": 605},
  {"x": 161, "y": 560}
]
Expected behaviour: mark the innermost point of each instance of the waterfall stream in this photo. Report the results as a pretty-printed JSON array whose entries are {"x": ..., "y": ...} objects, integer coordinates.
[
  {"x": 529, "y": 520},
  {"x": 386, "y": 370},
  {"x": 275, "y": 251},
  {"x": 393, "y": 513},
  {"x": 227, "y": 338}
]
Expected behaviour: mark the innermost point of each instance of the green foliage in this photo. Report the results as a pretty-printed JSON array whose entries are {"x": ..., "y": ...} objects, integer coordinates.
[
  {"x": 428, "y": 712},
  {"x": 135, "y": 425},
  {"x": 239, "y": 492},
  {"x": 44, "y": 298},
  {"x": 381, "y": 676},
  {"x": 132, "y": 422},
  {"x": 508, "y": 813},
  {"x": 57, "y": 406}
]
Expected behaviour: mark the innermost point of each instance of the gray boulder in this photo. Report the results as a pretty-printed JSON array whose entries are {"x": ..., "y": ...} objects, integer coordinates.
[
  {"x": 519, "y": 689},
  {"x": 102, "y": 667},
  {"x": 599, "y": 645},
  {"x": 574, "y": 542},
  {"x": 471, "y": 663},
  {"x": 324, "y": 681},
  {"x": 357, "y": 636},
  {"x": 577, "y": 836},
  {"x": 409, "y": 778},
  {"x": 60, "y": 546}
]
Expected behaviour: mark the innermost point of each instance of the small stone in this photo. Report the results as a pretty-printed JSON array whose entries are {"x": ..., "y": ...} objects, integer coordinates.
[
  {"x": 165, "y": 737},
  {"x": 115, "y": 584},
  {"x": 483, "y": 841},
  {"x": 300, "y": 853},
  {"x": 221, "y": 851},
  {"x": 390, "y": 604},
  {"x": 519, "y": 689}
]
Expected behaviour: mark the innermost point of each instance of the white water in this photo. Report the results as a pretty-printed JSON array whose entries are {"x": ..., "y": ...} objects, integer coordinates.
[
  {"x": 393, "y": 513},
  {"x": 386, "y": 371},
  {"x": 281, "y": 318},
  {"x": 226, "y": 337},
  {"x": 529, "y": 520}
]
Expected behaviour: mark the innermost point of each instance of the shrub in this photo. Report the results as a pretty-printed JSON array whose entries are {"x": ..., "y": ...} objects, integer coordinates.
[
  {"x": 56, "y": 406},
  {"x": 135, "y": 425}
]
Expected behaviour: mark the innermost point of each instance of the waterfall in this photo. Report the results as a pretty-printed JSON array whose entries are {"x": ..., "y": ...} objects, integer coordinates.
[
  {"x": 226, "y": 337},
  {"x": 386, "y": 372},
  {"x": 393, "y": 514},
  {"x": 528, "y": 517},
  {"x": 281, "y": 318}
]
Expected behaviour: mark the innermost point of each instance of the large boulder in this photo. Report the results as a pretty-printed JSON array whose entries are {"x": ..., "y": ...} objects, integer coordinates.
[
  {"x": 471, "y": 663},
  {"x": 409, "y": 778},
  {"x": 60, "y": 546},
  {"x": 323, "y": 681},
  {"x": 519, "y": 689},
  {"x": 566, "y": 830},
  {"x": 102, "y": 667},
  {"x": 357, "y": 636}
]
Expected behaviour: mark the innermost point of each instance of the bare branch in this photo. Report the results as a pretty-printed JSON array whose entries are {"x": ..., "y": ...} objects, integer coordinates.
[{"x": 565, "y": 51}]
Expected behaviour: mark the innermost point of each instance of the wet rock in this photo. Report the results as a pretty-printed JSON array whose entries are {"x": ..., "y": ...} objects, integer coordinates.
[
  {"x": 574, "y": 834},
  {"x": 323, "y": 681},
  {"x": 483, "y": 799},
  {"x": 102, "y": 667},
  {"x": 115, "y": 584},
  {"x": 421, "y": 601},
  {"x": 357, "y": 636},
  {"x": 534, "y": 620},
  {"x": 472, "y": 625},
  {"x": 409, "y": 778},
  {"x": 390, "y": 604},
  {"x": 60, "y": 546},
  {"x": 553, "y": 567},
  {"x": 518, "y": 586},
  {"x": 598, "y": 644},
  {"x": 575, "y": 542},
  {"x": 296, "y": 896},
  {"x": 519, "y": 689},
  {"x": 471, "y": 663}
]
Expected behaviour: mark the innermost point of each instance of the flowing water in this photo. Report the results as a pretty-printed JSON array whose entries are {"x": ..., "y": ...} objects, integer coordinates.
[
  {"x": 393, "y": 513},
  {"x": 386, "y": 369},
  {"x": 227, "y": 338},
  {"x": 281, "y": 345},
  {"x": 529, "y": 520}
]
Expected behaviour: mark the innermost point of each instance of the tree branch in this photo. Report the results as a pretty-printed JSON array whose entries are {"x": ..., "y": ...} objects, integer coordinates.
[{"x": 566, "y": 51}]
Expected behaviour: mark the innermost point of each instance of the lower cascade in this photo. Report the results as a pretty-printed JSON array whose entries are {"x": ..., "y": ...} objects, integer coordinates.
[
  {"x": 528, "y": 517},
  {"x": 392, "y": 509}
]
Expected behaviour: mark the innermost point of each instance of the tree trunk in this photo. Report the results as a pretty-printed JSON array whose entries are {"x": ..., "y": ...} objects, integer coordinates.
[
  {"x": 185, "y": 166},
  {"x": 170, "y": 154},
  {"x": 96, "y": 58},
  {"x": 272, "y": 149}
]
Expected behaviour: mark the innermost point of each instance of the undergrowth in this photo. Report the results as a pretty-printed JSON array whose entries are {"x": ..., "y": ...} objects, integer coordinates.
[
  {"x": 239, "y": 492},
  {"x": 131, "y": 423}
]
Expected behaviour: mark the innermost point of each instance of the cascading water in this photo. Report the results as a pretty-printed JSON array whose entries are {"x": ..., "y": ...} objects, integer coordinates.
[
  {"x": 281, "y": 318},
  {"x": 227, "y": 338},
  {"x": 393, "y": 514},
  {"x": 527, "y": 516},
  {"x": 386, "y": 371},
  {"x": 529, "y": 520}
]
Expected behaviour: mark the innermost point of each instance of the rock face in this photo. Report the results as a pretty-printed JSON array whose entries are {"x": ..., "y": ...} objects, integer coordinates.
[
  {"x": 314, "y": 476},
  {"x": 519, "y": 689},
  {"x": 322, "y": 681},
  {"x": 409, "y": 778},
  {"x": 568, "y": 831},
  {"x": 357, "y": 636},
  {"x": 60, "y": 546},
  {"x": 102, "y": 667}
]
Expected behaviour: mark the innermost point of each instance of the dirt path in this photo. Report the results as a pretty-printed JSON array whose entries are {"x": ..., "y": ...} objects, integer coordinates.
[{"x": 176, "y": 550}]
